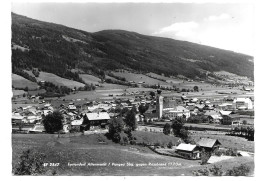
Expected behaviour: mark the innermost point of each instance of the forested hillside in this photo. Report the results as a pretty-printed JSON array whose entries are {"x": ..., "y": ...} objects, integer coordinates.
[{"x": 64, "y": 51}]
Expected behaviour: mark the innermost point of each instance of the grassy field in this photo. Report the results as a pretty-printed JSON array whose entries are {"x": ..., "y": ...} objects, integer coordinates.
[
  {"x": 90, "y": 79},
  {"x": 107, "y": 86},
  {"x": 18, "y": 92},
  {"x": 150, "y": 137},
  {"x": 49, "y": 77},
  {"x": 87, "y": 149},
  {"x": 21, "y": 83},
  {"x": 138, "y": 78}
]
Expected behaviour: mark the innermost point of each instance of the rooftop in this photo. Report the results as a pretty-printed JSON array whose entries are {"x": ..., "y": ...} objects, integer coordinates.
[
  {"x": 207, "y": 142},
  {"x": 186, "y": 147}
]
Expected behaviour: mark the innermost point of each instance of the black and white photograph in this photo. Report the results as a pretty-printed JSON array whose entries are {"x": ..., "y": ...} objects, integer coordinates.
[{"x": 132, "y": 89}]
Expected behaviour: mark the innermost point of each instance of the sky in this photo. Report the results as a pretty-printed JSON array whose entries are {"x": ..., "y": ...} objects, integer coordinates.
[{"x": 227, "y": 26}]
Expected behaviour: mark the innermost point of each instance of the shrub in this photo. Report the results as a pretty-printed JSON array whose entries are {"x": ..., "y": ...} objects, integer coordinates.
[
  {"x": 219, "y": 152},
  {"x": 231, "y": 152},
  {"x": 31, "y": 163},
  {"x": 124, "y": 140},
  {"x": 170, "y": 144},
  {"x": 241, "y": 170},
  {"x": 201, "y": 172},
  {"x": 216, "y": 170},
  {"x": 116, "y": 137},
  {"x": 133, "y": 142}
]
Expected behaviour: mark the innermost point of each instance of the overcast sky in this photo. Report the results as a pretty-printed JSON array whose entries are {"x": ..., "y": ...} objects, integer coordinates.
[{"x": 226, "y": 26}]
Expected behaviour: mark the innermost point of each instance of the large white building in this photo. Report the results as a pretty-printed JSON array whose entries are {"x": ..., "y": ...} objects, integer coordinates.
[
  {"x": 243, "y": 103},
  {"x": 178, "y": 111}
]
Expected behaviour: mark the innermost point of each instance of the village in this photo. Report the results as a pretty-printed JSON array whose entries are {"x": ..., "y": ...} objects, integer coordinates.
[{"x": 206, "y": 120}]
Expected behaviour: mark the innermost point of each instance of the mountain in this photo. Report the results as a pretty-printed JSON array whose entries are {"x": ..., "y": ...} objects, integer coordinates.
[{"x": 62, "y": 50}]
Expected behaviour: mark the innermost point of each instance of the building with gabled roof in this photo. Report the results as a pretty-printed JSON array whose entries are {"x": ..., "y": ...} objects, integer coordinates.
[
  {"x": 98, "y": 120},
  {"x": 208, "y": 144},
  {"x": 188, "y": 151}
]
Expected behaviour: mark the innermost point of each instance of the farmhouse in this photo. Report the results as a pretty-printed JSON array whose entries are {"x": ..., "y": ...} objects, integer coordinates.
[
  {"x": 96, "y": 120},
  {"x": 188, "y": 151},
  {"x": 232, "y": 119},
  {"x": 208, "y": 144},
  {"x": 76, "y": 124}
]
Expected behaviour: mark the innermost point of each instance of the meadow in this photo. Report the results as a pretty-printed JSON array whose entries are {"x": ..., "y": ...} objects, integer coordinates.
[
  {"x": 118, "y": 160},
  {"x": 19, "y": 82}
]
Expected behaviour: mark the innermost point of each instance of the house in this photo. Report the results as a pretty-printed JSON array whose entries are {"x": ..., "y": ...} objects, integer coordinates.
[
  {"x": 17, "y": 118},
  {"x": 208, "y": 144},
  {"x": 38, "y": 128},
  {"x": 194, "y": 100},
  {"x": 232, "y": 119},
  {"x": 222, "y": 113},
  {"x": 33, "y": 119},
  {"x": 77, "y": 124},
  {"x": 178, "y": 111},
  {"x": 72, "y": 108},
  {"x": 200, "y": 107},
  {"x": 225, "y": 106},
  {"x": 46, "y": 112},
  {"x": 184, "y": 99},
  {"x": 243, "y": 103},
  {"x": 213, "y": 116},
  {"x": 96, "y": 120},
  {"x": 214, "y": 119},
  {"x": 188, "y": 151}
]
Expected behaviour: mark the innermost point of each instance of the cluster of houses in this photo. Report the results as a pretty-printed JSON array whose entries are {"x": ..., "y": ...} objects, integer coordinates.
[{"x": 95, "y": 115}]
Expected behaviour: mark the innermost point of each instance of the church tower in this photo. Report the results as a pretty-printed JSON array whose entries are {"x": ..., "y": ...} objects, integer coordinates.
[{"x": 159, "y": 106}]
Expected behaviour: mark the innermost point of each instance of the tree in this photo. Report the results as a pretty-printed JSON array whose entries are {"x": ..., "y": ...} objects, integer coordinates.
[
  {"x": 31, "y": 163},
  {"x": 143, "y": 108},
  {"x": 116, "y": 126},
  {"x": 167, "y": 129},
  {"x": 204, "y": 156},
  {"x": 130, "y": 119},
  {"x": 53, "y": 122},
  {"x": 177, "y": 125},
  {"x": 196, "y": 88},
  {"x": 184, "y": 134},
  {"x": 152, "y": 94}
]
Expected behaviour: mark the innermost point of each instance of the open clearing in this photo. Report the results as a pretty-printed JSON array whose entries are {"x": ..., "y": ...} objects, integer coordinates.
[
  {"x": 20, "y": 83},
  {"x": 87, "y": 149}
]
